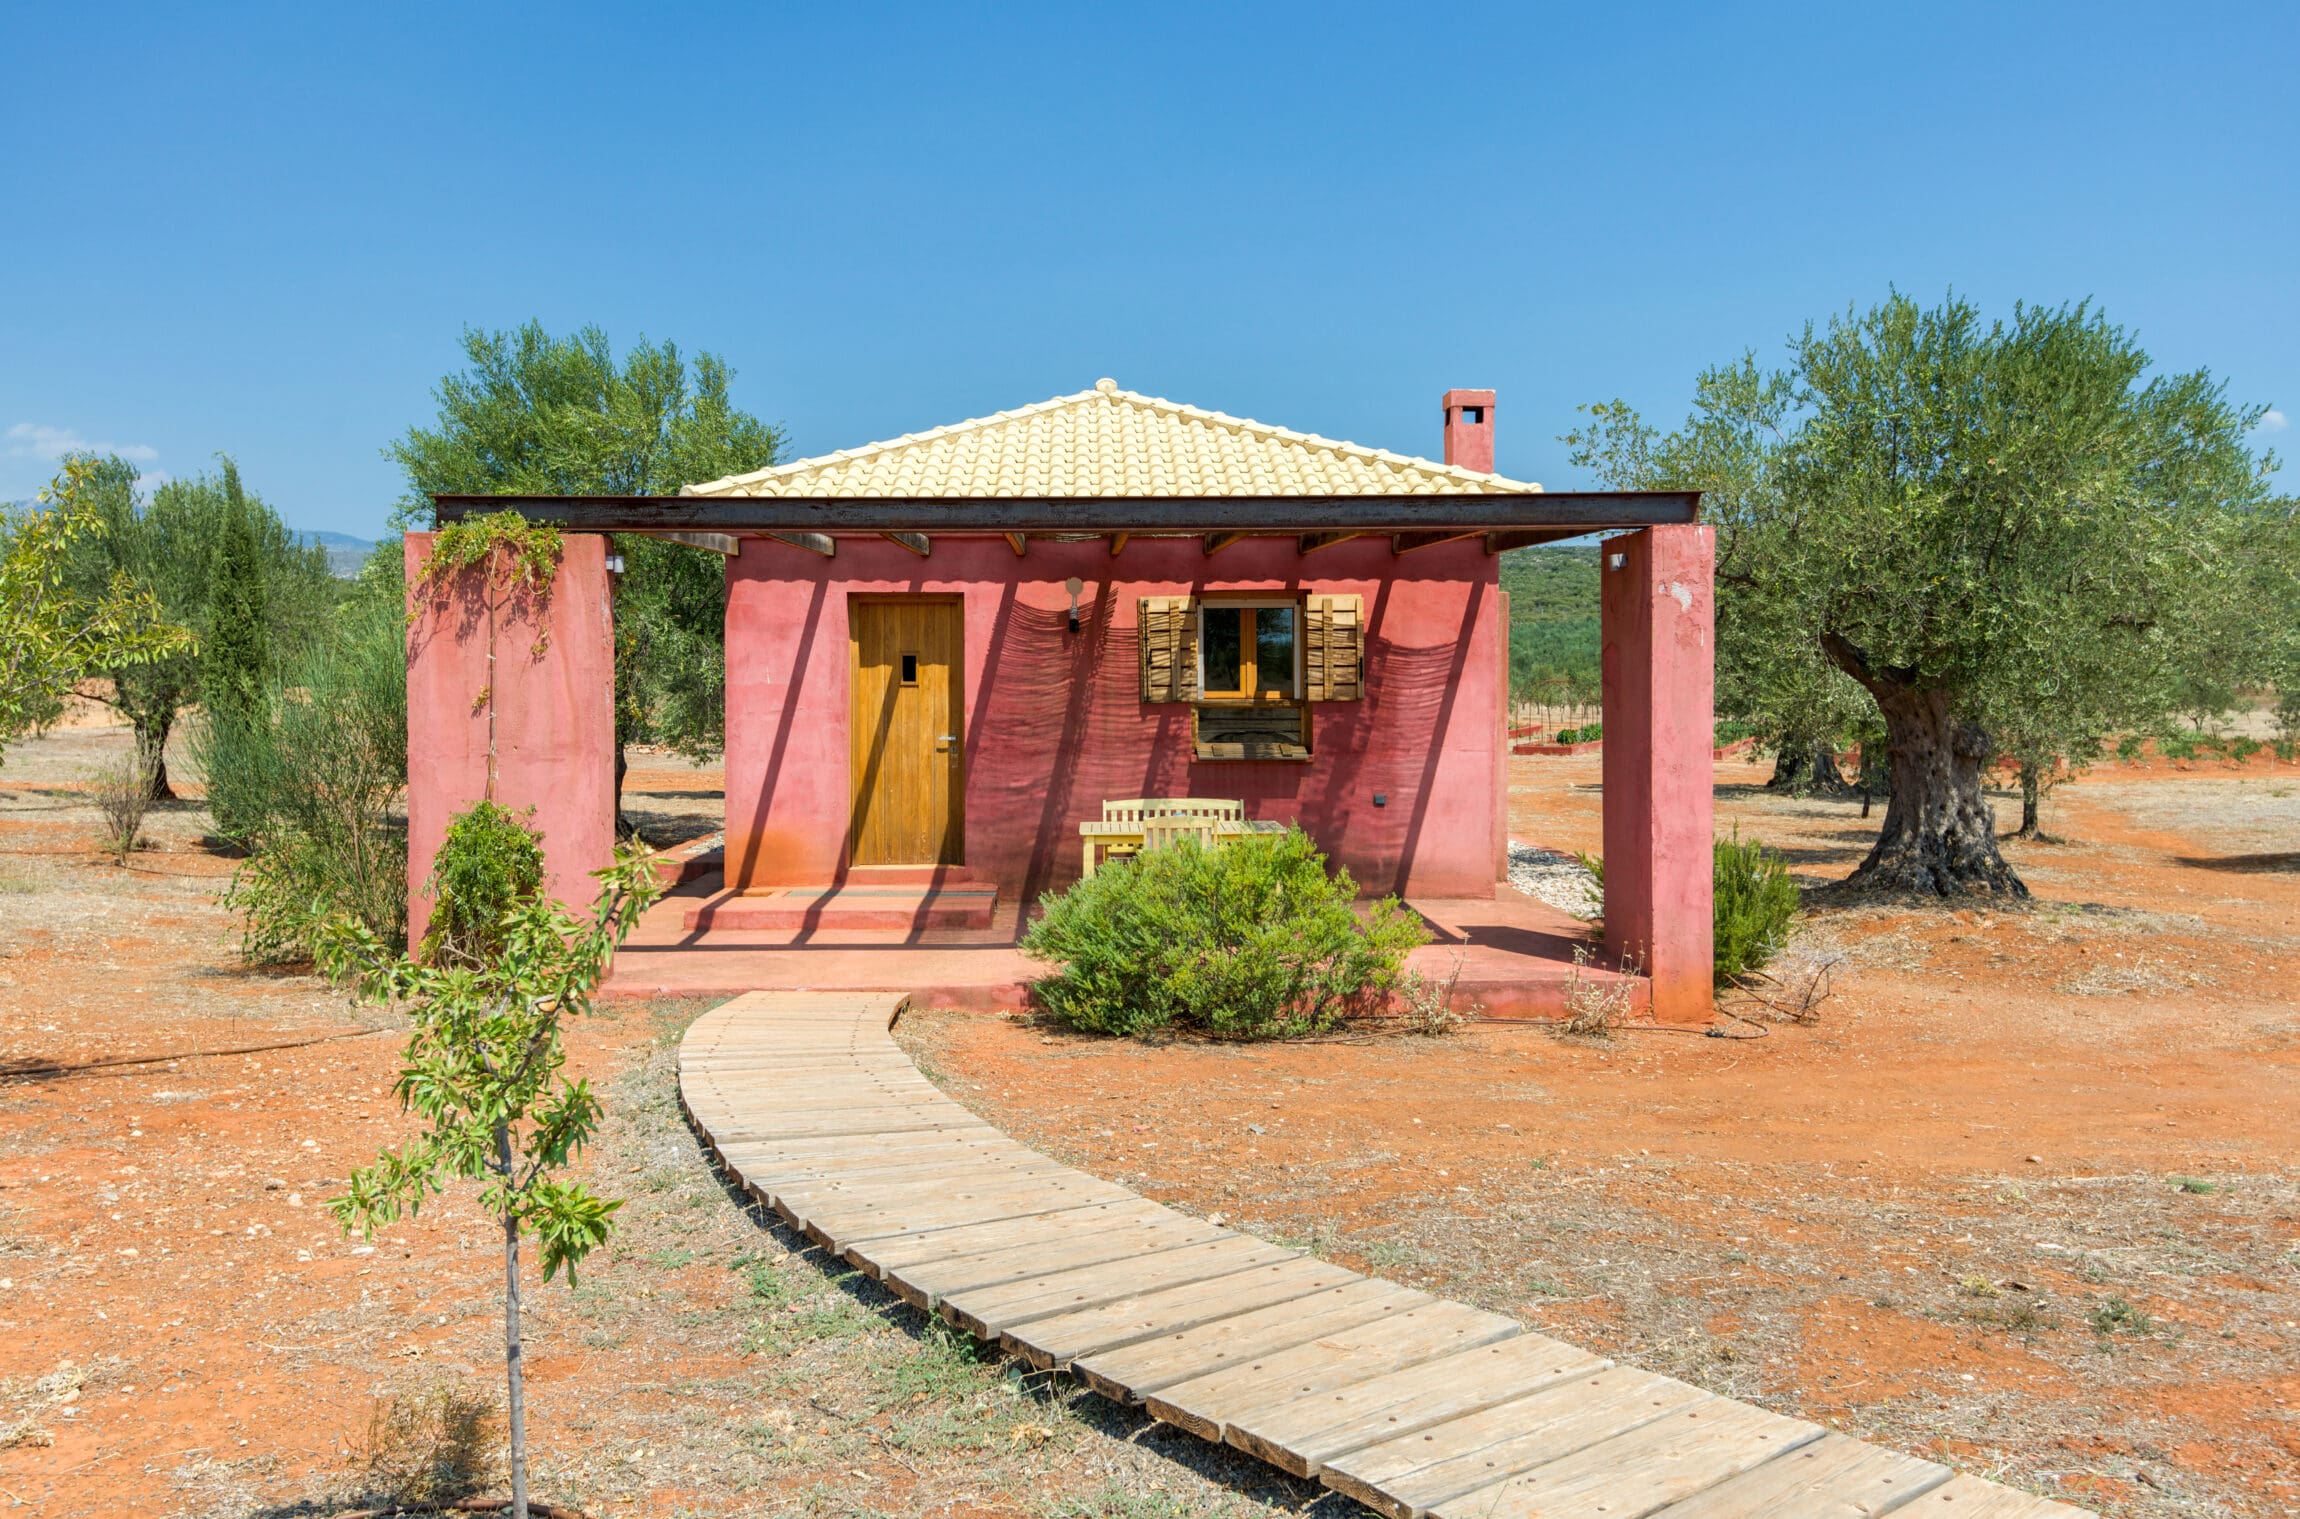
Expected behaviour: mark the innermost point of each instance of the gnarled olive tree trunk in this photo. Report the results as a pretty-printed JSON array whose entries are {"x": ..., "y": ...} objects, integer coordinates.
[
  {"x": 1809, "y": 769},
  {"x": 1939, "y": 835}
]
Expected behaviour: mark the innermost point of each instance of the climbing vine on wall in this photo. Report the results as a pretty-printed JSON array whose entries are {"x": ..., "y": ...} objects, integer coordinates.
[
  {"x": 515, "y": 555},
  {"x": 530, "y": 553}
]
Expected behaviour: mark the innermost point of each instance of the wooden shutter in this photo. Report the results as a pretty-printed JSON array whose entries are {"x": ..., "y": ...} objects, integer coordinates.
[
  {"x": 1334, "y": 654},
  {"x": 1169, "y": 631}
]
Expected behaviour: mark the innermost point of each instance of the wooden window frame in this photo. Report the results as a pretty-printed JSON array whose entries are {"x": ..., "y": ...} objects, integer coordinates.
[{"x": 1250, "y": 693}]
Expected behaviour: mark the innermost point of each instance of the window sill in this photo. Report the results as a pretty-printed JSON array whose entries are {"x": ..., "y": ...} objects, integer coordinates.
[
  {"x": 1251, "y": 731},
  {"x": 1288, "y": 754}
]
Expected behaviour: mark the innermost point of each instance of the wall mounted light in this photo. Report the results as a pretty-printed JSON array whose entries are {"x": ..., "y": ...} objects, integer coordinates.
[{"x": 1074, "y": 585}]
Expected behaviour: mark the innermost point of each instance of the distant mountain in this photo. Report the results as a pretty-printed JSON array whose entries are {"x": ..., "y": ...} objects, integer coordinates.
[{"x": 345, "y": 554}]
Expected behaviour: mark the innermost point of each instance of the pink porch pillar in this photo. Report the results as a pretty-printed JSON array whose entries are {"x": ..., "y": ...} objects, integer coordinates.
[
  {"x": 1659, "y": 621},
  {"x": 551, "y": 696}
]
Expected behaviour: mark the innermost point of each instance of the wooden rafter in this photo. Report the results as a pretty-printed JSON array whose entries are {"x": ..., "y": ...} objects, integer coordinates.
[
  {"x": 1408, "y": 542},
  {"x": 1016, "y": 541},
  {"x": 716, "y": 543},
  {"x": 1216, "y": 542},
  {"x": 814, "y": 543},
  {"x": 1312, "y": 542},
  {"x": 1117, "y": 542},
  {"x": 915, "y": 542},
  {"x": 1527, "y": 537}
]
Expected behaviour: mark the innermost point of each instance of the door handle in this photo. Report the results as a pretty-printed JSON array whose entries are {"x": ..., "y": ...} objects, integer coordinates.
[{"x": 943, "y": 743}]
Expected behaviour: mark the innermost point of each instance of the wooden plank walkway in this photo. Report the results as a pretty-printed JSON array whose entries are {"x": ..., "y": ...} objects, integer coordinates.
[{"x": 1410, "y": 1404}]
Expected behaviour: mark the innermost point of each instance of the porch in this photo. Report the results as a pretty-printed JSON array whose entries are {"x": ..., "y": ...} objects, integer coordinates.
[{"x": 1515, "y": 954}]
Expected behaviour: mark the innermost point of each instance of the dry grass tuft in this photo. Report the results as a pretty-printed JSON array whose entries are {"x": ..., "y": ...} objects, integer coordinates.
[
  {"x": 432, "y": 1447},
  {"x": 1594, "y": 1009},
  {"x": 122, "y": 792},
  {"x": 1426, "y": 1003}
]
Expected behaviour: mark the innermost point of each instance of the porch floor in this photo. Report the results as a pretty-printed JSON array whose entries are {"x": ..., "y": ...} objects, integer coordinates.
[{"x": 1516, "y": 956}]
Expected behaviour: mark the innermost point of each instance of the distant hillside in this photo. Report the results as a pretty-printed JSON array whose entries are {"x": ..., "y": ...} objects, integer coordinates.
[
  {"x": 345, "y": 554},
  {"x": 1552, "y": 612}
]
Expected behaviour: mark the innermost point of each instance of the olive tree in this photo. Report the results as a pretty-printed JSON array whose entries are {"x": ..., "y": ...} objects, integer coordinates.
[
  {"x": 55, "y": 633},
  {"x": 171, "y": 544},
  {"x": 1983, "y": 524},
  {"x": 537, "y": 414}
]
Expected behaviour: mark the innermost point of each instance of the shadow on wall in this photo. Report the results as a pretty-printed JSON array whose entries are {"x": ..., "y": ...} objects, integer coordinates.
[
  {"x": 762, "y": 827},
  {"x": 1059, "y": 728}
]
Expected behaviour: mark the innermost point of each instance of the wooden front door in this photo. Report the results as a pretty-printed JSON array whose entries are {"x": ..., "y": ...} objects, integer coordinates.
[{"x": 908, "y": 749}]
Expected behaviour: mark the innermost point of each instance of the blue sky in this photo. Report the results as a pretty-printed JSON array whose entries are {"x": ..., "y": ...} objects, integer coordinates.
[{"x": 261, "y": 230}]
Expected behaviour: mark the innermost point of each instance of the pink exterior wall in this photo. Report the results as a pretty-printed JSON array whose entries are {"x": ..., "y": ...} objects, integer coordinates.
[
  {"x": 1658, "y": 616},
  {"x": 554, "y": 717},
  {"x": 1055, "y": 725}
]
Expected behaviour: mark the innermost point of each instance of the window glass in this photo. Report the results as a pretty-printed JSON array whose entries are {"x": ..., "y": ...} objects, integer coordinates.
[
  {"x": 1274, "y": 649},
  {"x": 1223, "y": 649}
]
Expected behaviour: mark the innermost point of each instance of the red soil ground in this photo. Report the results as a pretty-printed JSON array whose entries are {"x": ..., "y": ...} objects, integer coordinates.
[{"x": 1961, "y": 1214}]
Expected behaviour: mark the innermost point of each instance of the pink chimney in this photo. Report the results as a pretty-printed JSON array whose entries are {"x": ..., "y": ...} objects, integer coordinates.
[{"x": 1469, "y": 429}]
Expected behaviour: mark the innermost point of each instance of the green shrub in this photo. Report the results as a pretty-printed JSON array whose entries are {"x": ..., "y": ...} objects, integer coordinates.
[
  {"x": 489, "y": 865},
  {"x": 1251, "y": 940},
  {"x": 1756, "y": 901},
  {"x": 311, "y": 779}
]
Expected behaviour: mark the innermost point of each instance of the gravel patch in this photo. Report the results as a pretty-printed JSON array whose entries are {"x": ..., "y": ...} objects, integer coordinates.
[{"x": 1558, "y": 879}]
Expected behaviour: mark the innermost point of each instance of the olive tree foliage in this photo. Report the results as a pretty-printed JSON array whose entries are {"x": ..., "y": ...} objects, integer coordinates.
[
  {"x": 168, "y": 544},
  {"x": 2008, "y": 533},
  {"x": 1771, "y": 673},
  {"x": 532, "y": 413},
  {"x": 55, "y": 633}
]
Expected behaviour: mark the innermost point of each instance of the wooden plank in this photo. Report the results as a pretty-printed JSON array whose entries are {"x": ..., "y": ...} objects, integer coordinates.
[
  {"x": 1407, "y": 1476},
  {"x": 1131, "y": 1373},
  {"x": 926, "y": 1283},
  {"x": 1835, "y": 1477},
  {"x": 1302, "y": 1435},
  {"x": 988, "y": 1311},
  {"x": 1016, "y": 542},
  {"x": 1062, "y": 1338},
  {"x": 844, "y": 1222},
  {"x": 916, "y": 542},
  {"x": 897, "y": 1253},
  {"x": 1638, "y": 1473},
  {"x": 1966, "y": 1497},
  {"x": 1211, "y": 1405},
  {"x": 1117, "y": 542},
  {"x": 1310, "y": 543},
  {"x": 1216, "y": 542}
]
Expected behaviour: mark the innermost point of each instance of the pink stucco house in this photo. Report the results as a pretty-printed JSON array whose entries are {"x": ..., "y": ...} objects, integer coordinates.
[{"x": 946, "y": 651}]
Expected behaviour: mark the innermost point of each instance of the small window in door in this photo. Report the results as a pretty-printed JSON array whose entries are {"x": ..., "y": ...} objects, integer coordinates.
[
  {"x": 1249, "y": 652},
  {"x": 910, "y": 669}
]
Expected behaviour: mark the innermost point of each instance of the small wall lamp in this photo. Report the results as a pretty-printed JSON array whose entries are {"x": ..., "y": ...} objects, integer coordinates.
[{"x": 1074, "y": 585}]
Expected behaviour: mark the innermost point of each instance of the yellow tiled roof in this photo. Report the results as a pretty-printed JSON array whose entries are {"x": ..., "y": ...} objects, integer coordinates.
[{"x": 1110, "y": 442}]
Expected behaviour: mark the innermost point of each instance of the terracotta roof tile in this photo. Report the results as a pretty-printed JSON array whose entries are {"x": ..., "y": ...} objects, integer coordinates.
[{"x": 1110, "y": 442}]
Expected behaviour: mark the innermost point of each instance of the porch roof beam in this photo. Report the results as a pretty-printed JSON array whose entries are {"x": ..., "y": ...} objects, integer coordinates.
[
  {"x": 1584, "y": 511},
  {"x": 915, "y": 542}
]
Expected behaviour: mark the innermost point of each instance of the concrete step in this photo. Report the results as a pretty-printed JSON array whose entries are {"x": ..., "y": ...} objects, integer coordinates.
[
  {"x": 855, "y": 905},
  {"x": 915, "y": 875}
]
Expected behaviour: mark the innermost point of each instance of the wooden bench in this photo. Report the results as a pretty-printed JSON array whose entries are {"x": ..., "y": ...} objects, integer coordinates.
[{"x": 1131, "y": 826}]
